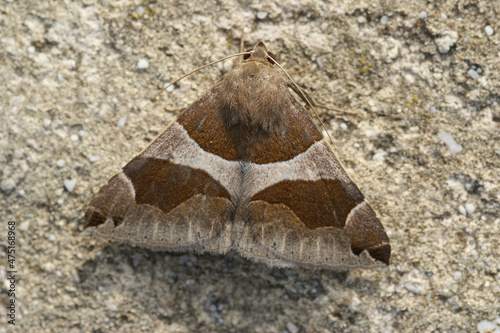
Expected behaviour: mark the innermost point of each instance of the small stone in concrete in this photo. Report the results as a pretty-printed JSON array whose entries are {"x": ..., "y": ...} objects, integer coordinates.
[
  {"x": 142, "y": 64},
  {"x": 121, "y": 121},
  {"x": 446, "y": 40},
  {"x": 453, "y": 146},
  {"x": 489, "y": 30},
  {"x": 261, "y": 15},
  {"x": 69, "y": 184},
  {"x": 473, "y": 74},
  {"x": 470, "y": 208}
]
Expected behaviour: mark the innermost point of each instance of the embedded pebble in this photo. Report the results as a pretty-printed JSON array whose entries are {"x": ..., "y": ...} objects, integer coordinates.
[
  {"x": 422, "y": 15},
  {"x": 168, "y": 87},
  {"x": 94, "y": 158},
  {"x": 141, "y": 10},
  {"x": 74, "y": 138},
  {"x": 413, "y": 288},
  {"x": 362, "y": 19},
  {"x": 121, "y": 121},
  {"x": 378, "y": 157},
  {"x": 473, "y": 74},
  {"x": 393, "y": 52},
  {"x": 470, "y": 208},
  {"x": 290, "y": 327},
  {"x": 462, "y": 210},
  {"x": 261, "y": 15},
  {"x": 24, "y": 226},
  {"x": 111, "y": 305},
  {"x": 446, "y": 40},
  {"x": 489, "y": 30},
  {"x": 48, "y": 267},
  {"x": 69, "y": 184},
  {"x": 486, "y": 326},
  {"x": 8, "y": 185},
  {"x": 60, "y": 163},
  {"x": 453, "y": 146},
  {"x": 343, "y": 126},
  {"x": 384, "y": 19},
  {"x": 142, "y": 64}
]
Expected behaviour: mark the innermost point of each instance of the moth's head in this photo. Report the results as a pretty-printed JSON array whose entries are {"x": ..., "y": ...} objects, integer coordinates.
[{"x": 260, "y": 52}]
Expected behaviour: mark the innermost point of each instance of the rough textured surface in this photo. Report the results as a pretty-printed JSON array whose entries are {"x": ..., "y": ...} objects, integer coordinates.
[{"x": 75, "y": 106}]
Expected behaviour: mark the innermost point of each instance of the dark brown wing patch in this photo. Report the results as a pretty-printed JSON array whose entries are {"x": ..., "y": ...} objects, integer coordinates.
[
  {"x": 166, "y": 185},
  {"x": 367, "y": 233},
  {"x": 204, "y": 125},
  {"x": 321, "y": 203}
]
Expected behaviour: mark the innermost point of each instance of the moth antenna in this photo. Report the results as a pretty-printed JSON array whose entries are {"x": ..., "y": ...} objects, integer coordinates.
[
  {"x": 304, "y": 96},
  {"x": 199, "y": 68}
]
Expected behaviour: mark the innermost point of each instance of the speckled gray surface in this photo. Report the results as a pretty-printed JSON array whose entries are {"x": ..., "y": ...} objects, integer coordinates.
[{"x": 75, "y": 107}]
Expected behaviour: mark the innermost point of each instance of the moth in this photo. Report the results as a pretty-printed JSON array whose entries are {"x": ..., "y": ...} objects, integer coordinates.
[{"x": 243, "y": 168}]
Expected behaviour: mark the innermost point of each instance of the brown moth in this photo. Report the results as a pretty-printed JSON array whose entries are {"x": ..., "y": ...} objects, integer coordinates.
[{"x": 245, "y": 169}]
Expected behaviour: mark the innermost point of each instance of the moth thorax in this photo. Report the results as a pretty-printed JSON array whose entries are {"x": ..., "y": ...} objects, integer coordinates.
[{"x": 254, "y": 96}]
